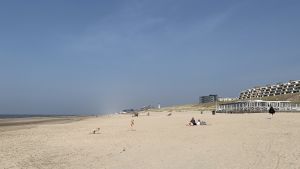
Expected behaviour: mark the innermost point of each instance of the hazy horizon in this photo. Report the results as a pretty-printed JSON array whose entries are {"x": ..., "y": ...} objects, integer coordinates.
[{"x": 76, "y": 57}]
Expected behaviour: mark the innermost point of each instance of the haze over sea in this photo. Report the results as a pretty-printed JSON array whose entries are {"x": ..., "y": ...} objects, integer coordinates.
[{"x": 97, "y": 57}]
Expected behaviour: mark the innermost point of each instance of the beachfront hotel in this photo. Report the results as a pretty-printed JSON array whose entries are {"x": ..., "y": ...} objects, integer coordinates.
[{"x": 293, "y": 86}]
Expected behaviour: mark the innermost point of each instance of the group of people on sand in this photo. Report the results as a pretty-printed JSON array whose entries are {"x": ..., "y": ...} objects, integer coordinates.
[{"x": 193, "y": 122}]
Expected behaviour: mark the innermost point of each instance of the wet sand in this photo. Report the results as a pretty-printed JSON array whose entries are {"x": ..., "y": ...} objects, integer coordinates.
[{"x": 28, "y": 122}]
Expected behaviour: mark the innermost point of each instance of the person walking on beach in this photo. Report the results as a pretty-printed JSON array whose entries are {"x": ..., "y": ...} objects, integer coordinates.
[
  {"x": 272, "y": 111},
  {"x": 132, "y": 123}
]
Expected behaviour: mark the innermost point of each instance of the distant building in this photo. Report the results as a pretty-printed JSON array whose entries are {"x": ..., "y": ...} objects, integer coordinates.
[
  {"x": 128, "y": 111},
  {"x": 208, "y": 99},
  {"x": 293, "y": 86},
  {"x": 247, "y": 106}
]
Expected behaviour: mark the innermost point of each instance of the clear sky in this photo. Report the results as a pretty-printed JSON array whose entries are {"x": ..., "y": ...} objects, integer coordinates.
[{"x": 97, "y": 56}]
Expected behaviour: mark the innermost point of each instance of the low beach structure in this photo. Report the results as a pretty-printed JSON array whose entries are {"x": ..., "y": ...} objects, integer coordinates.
[
  {"x": 257, "y": 106},
  {"x": 227, "y": 99}
]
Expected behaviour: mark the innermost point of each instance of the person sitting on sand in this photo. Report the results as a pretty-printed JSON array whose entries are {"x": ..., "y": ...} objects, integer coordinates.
[
  {"x": 192, "y": 122},
  {"x": 198, "y": 122},
  {"x": 202, "y": 123}
]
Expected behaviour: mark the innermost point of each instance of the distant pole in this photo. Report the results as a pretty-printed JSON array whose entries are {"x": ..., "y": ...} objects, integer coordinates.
[
  {"x": 216, "y": 104},
  {"x": 158, "y": 106}
]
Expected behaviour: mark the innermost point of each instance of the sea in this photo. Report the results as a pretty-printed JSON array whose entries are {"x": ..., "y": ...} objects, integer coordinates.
[{"x": 9, "y": 116}]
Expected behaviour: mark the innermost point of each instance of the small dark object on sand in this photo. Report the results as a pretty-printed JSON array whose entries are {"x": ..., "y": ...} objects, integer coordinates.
[
  {"x": 135, "y": 115},
  {"x": 124, "y": 149},
  {"x": 170, "y": 114}
]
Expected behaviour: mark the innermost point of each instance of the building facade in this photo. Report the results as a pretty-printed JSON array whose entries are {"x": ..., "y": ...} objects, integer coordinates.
[
  {"x": 293, "y": 86},
  {"x": 208, "y": 99}
]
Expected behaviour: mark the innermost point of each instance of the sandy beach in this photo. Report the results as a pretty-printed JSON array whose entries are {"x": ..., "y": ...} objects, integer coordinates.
[{"x": 228, "y": 141}]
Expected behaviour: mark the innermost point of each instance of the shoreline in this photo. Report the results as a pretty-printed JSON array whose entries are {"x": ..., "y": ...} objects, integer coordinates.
[{"x": 9, "y": 124}]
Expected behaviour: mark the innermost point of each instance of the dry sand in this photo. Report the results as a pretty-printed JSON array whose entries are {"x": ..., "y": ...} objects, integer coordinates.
[{"x": 229, "y": 141}]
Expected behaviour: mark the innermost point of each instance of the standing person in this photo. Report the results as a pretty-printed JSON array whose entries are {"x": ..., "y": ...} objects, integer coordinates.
[
  {"x": 271, "y": 111},
  {"x": 132, "y": 123}
]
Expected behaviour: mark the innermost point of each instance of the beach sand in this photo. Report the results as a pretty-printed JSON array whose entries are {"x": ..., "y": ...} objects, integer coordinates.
[{"x": 228, "y": 141}]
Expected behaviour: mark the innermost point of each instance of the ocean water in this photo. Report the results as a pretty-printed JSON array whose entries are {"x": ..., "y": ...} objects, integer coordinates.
[{"x": 6, "y": 116}]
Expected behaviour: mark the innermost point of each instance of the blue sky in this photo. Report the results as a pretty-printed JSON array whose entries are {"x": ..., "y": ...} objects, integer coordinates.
[{"x": 104, "y": 56}]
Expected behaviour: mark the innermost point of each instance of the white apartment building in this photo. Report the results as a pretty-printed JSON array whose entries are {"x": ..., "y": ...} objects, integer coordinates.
[{"x": 293, "y": 86}]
